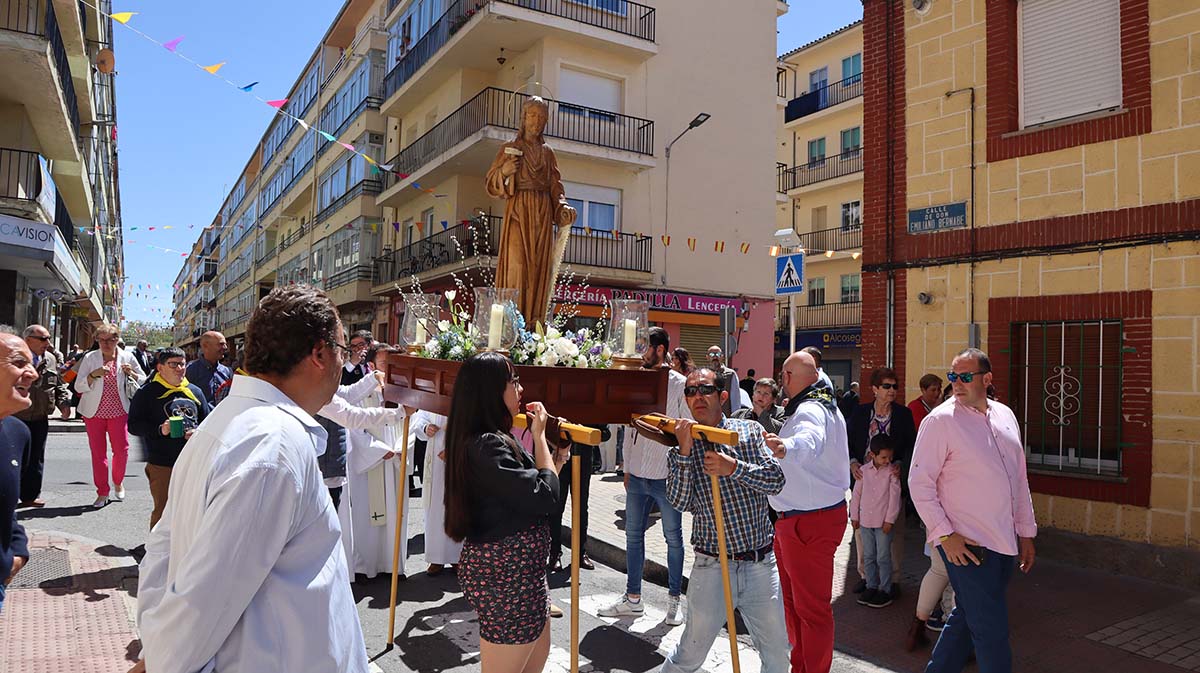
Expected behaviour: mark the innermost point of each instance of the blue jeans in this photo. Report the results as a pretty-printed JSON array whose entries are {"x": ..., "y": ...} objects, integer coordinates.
[
  {"x": 638, "y": 496},
  {"x": 980, "y": 617},
  {"x": 755, "y": 591},
  {"x": 2, "y": 590},
  {"x": 877, "y": 557}
]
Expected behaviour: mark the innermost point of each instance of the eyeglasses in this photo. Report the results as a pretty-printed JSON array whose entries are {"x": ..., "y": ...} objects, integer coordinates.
[
  {"x": 112, "y": 340},
  {"x": 889, "y": 386},
  {"x": 175, "y": 365},
  {"x": 702, "y": 389},
  {"x": 965, "y": 377},
  {"x": 340, "y": 347},
  {"x": 39, "y": 338},
  {"x": 515, "y": 380}
]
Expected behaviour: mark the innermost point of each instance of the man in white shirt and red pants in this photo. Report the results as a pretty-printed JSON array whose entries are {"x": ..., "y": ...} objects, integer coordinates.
[{"x": 969, "y": 485}]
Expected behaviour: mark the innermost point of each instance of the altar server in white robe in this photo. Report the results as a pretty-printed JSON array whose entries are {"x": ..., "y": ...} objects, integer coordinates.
[
  {"x": 440, "y": 550},
  {"x": 357, "y": 408}
]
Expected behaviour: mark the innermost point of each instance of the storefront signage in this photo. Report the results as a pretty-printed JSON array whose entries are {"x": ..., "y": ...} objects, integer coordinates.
[
  {"x": 659, "y": 301},
  {"x": 827, "y": 338},
  {"x": 26, "y": 233},
  {"x": 937, "y": 218}
]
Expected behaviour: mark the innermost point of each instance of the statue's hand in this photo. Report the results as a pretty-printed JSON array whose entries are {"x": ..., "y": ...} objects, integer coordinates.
[
  {"x": 566, "y": 216},
  {"x": 509, "y": 167}
]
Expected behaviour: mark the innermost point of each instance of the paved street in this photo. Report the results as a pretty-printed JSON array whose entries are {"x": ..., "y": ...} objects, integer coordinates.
[{"x": 71, "y": 610}]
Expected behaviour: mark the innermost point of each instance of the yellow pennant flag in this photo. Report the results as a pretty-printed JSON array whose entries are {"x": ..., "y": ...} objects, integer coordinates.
[
  {"x": 122, "y": 17},
  {"x": 692, "y": 244},
  {"x": 745, "y": 248},
  {"x": 212, "y": 69},
  {"x": 666, "y": 241},
  {"x": 719, "y": 246},
  {"x": 374, "y": 227},
  {"x": 774, "y": 251}
]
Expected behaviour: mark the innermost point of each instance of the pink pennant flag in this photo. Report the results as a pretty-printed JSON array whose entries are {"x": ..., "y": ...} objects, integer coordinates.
[
  {"x": 277, "y": 103},
  {"x": 170, "y": 45},
  {"x": 347, "y": 146}
]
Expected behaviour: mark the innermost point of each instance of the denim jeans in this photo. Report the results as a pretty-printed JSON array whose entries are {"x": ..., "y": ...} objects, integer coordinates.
[
  {"x": 756, "y": 595},
  {"x": 2, "y": 590},
  {"x": 877, "y": 557},
  {"x": 980, "y": 617},
  {"x": 638, "y": 496}
]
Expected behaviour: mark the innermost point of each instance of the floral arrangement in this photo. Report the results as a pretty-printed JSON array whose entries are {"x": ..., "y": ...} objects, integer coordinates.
[{"x": 454, "y": 338}]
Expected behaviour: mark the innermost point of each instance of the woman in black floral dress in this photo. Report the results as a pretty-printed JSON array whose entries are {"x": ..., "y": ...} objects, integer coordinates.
[{"x": 498, "y": 499}]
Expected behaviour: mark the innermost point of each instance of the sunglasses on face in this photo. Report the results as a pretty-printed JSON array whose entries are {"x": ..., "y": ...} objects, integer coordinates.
[
  {"x": 965, "y": 377},
  {"x": 888, "y": 386},
  {"x": 39, "y": 338},
  {"x": 702, "y": 389}
]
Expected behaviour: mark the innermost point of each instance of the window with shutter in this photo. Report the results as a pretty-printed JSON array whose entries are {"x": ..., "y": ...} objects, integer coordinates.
[
  {"x": 1070, "y": 58},
  {"x": 586, "y": 90}
]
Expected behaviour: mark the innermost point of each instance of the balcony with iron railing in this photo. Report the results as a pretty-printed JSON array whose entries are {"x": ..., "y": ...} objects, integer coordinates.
[
  {"x": 835, "y": 239},
  {"x": 823, "y": 168},
  {"x": 367, "y": 187},
  {"x": 37, "y": 18},
  {"x": 624, "y": 26},
  {"x": 356, "y": 273},
  {"x": 481, "y": 238},
  {"x": 500, "y": 109},
  {"x": 21, "y": 183},
  {"x": 823, "y": 98},
  {"x": 368, "y": 103},
  {"x": 823, "y": 316},
  {"x": 781, "y": 171}
]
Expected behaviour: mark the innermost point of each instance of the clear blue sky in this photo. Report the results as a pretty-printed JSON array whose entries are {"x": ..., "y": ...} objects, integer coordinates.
[{"x": 183, "y": 136}]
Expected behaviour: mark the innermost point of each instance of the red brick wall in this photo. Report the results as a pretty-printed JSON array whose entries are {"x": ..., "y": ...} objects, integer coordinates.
[
  {"x": 1134, "y": 309},
  {"x": 1005, "y": 140}
]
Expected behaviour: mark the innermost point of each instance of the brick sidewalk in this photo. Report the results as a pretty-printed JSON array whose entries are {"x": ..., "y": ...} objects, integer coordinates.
[
  {"x": 71, "y": 609},
  {"x": 1063, "y": 619}
]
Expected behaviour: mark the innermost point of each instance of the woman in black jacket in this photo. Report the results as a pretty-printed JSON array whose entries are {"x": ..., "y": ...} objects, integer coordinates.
[
  {"x": 499, "y": 500},
  {"x": 883, "y": 415}
]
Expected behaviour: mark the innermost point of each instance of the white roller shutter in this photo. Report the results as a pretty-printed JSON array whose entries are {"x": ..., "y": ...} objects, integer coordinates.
[
  {"x": 589, "y": 90},
  {"x": 697, "y": 339},
  {"x": 1070, "y": 53}
]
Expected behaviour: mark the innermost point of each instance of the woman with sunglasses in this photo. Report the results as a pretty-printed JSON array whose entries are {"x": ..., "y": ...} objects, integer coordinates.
[
  {"x": 498, "y": 499},
  {"x": 104, "y": 375},
  {"x": 883, "y": 415}
]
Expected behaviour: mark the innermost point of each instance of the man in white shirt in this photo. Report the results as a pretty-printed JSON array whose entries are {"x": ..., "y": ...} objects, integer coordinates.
[
  {"x": 646, "y": 473},
  {"x": 245, "y": 571},
  {"x": 811, "y": 448}
]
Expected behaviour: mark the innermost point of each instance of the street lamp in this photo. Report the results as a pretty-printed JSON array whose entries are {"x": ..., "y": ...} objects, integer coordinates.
[{"x": 697, "y": 121}]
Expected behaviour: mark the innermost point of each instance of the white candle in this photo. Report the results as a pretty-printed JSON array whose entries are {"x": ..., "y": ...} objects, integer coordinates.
[
  {"x": 630, "y": 337},
  {"x": 495, "y": 326},
  {"x": 422, "y": 334}
]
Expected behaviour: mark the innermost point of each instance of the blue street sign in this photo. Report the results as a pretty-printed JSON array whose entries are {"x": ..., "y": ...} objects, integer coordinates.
[
  {"x": 789, "y": 274},
  {"x": 937, "y": 218}
]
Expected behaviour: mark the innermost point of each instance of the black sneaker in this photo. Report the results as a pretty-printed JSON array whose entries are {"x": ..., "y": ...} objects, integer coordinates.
[
  {"x": 880, "y": 599},
  {"x": 860, "y": 587},
  {"x": 866, "y": 596}
]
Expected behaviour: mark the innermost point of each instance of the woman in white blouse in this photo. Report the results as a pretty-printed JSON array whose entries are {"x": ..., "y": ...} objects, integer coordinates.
[{"x": 105, "y": 378}]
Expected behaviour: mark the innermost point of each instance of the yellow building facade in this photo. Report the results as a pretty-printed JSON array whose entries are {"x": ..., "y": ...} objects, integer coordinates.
[
  {"x": 1038, "y": 197},
  {"x": 819, "y": 195}
]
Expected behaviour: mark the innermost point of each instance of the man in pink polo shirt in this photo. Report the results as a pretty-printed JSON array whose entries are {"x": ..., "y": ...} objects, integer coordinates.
[{"x": 969, "y": 485}]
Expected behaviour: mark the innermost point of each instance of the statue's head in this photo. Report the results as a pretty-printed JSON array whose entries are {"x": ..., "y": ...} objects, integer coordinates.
[{"x": 534, "y": 114}]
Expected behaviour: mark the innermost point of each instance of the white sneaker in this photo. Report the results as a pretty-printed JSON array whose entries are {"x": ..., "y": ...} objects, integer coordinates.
[
  {"x": 100, "y": 502},
  {"x": 674, "y": 611},
  {"x": 623, "y": 608},
  {"x": 120, "y": 494}
]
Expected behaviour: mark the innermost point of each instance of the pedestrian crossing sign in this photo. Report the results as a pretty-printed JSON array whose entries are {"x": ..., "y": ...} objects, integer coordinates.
[{"x": 789, "y": 274}]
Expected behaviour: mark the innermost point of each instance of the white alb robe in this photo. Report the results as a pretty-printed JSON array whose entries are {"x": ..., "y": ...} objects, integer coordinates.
[
  {"x": 375, "y": 489},
  {"x": 439, "y": 548}
]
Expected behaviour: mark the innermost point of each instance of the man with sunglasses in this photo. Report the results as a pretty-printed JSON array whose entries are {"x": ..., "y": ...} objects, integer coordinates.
[
  {"x": 47, "y": 392},
  {"x": 811, "y": 450},
  {"x": 747, "y": 475},
  {"x": 883, "y": 415},
  {"x": 970, "y": 487}
]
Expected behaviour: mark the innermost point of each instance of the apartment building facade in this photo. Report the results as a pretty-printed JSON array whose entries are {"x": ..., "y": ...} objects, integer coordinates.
[
  {"x": 431, "y": 88},
  {"x": 819, "y": 191},
  {"x": 61, "y": 259},
  {"x": 1037, "y": 196}
]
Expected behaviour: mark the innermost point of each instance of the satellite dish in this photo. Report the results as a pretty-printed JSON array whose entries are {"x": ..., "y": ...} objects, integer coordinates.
[{"x": 105, "y": 61}]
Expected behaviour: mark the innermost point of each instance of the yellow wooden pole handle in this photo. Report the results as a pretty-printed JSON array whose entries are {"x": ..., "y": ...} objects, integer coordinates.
[
  {"x": 707, "y": 433},
  {"x": 400, "y": 530},
  {"x": 576, "y": 433},
  {"x": 730, "y": 623}
]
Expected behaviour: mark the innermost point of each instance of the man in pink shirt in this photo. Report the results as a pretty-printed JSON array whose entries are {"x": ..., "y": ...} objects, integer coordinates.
[{"x": 969, "y": 485}]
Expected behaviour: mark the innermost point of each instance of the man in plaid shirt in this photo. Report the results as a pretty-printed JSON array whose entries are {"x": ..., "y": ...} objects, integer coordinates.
[{"x": 747, "y": 475}]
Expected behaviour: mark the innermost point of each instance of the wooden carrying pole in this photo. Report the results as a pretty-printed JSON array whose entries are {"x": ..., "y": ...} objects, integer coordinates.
[
  {"x": 727, "y": 438},
  {"x": 576, "y": 433},
  {"x": 400, "y": 523}
]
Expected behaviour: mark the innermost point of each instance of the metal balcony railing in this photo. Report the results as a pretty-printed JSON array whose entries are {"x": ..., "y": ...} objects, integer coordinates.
[
  {"x": 823, "y": 98},
  {"x": 621, "y": 16},
  {"x": 781, "y": 82},
  {"x": 369, "y": 102},
  {"x": 366, "y": 186},
  {"x": 474, "y": 239},
  {"x": 20, "y": 175},
  {"x": 781, "y": 171},
  {"x": 837, "y": 238},
  {"x": 628, "y": 252},
  {"x": 815, "y": 316},
  {"x": 502, "y": 109},
  {"x": 824, "y": 168},
  {"x": 62, "y": 220},
  {"x": 347, "y": 276}
]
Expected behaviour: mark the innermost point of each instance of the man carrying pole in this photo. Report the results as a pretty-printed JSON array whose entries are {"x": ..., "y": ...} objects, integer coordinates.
[{"x": 744, "y": 475}]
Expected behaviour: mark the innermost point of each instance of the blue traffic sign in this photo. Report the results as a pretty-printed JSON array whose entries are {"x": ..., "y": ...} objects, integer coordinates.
[{"x": 789, "y": 274}]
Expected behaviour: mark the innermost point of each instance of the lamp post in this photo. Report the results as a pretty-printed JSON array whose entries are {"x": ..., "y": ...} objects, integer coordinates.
[{"x": 697, "y": 121}]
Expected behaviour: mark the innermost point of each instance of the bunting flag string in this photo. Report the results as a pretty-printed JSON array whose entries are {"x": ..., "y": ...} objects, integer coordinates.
[{"x": 692, "y": 244}]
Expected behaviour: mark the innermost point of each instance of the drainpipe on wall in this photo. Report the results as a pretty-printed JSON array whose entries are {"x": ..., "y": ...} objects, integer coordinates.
[{"x": 973, "y": 340}]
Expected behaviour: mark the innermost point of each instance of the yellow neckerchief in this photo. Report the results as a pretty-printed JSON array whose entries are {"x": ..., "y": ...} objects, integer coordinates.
[
  {"x": 181, "y": 388},
  {"x": 241, "y": 371}
]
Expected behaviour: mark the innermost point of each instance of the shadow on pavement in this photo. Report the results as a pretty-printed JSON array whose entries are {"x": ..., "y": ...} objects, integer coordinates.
[
  {"x": 91, "y": 584},
  {"x": 418, "y": 587},
  {"x": 53, "y": 512},
  {"x": 439, "y": 638},
  {"x": 611, "y": 648}
]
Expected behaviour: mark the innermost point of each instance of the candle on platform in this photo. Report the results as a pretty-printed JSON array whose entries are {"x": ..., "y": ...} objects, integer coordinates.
[
  {"x": 495, "y": 326},
  {"x": 630, "y": 337},
  {"x": 422, "y": 333}
]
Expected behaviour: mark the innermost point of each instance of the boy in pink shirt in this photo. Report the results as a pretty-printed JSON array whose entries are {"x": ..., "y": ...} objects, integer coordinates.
[{"x": 874, "y": 506}]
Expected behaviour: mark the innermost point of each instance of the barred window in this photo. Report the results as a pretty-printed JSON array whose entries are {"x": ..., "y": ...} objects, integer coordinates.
[{"x": 1067, "y": 383}]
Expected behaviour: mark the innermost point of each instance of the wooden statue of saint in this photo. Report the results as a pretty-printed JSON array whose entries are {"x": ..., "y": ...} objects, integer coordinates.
[{"x": 525, "y": 173}]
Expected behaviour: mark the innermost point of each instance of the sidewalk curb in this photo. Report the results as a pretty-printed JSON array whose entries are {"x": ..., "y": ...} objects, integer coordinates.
[{"x": 60, "y": 427}]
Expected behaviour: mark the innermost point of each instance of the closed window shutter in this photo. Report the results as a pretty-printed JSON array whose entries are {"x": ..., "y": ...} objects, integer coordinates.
[
  {"x": 581, "y": 88},
  {"x": 697, "y": 339},
  {"x": 1070, "y": 58}
]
